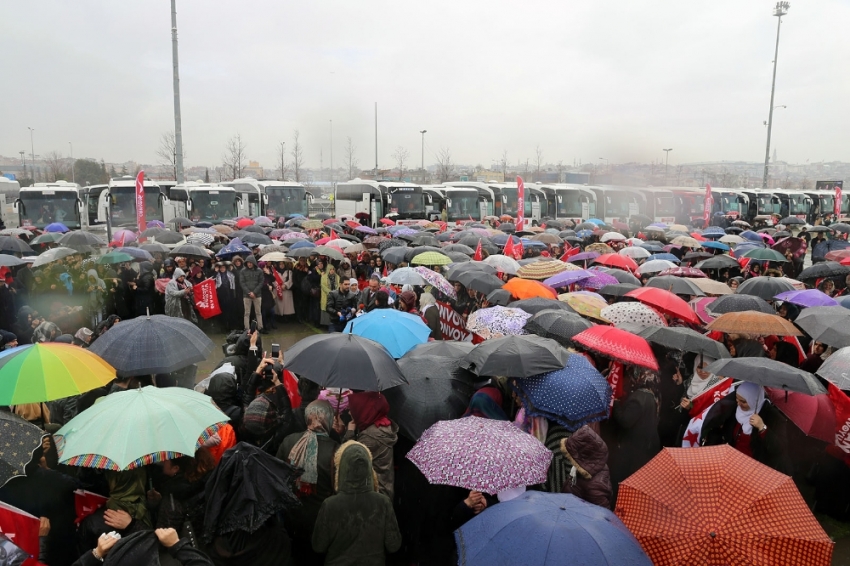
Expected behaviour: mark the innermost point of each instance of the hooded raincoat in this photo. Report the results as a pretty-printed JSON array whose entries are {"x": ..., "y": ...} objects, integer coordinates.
[{"x": 178, "y": 298}]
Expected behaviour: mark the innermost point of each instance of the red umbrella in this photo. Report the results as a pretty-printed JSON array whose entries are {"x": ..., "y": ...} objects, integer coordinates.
[
  {"x": 618, "y": 345},
  {"x": 813, "y": 414},
  {"x": 836, "y": 255},
  {"x": 697, "y": 237},
  {"x": 244, "y": 222},
  {"x": 352, "y": 224},
  {"x": 684, "y": 272},
  {"x": 618, "y": 261},
  {"x": 666, "y": 302},
  {"x": 328, "y": 221},
  {"x": 323, "y": 241},
  {"x": 387, "y": 222}
]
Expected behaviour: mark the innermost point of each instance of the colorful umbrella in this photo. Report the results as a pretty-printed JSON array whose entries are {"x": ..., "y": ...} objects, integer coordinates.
[
  {"x": 700, "y": 305},
  {"x": 36, "y": 373},
  {"x": 540, "y": 270},
  {"x": 683, "y": 272},
  {"x": 752, "y": 322},
  {"x": 242, "y": 223},
  {"x": 712, "y": 287},
  {"x": 542, "y": 529},
  {"x": 598, "y": 280},
  {"x": 529, "y": 289},
  {"x": 573, "y": 396},
  {"x": 807, "y": 298},
  {"x": 632, "y": 313},
  {"x": 122, "y": 237},
  {"x": 678, "y": 507},
  {"x": 437, "y": 281},
  {"x": 396, "y": 331},
  {"x": 480, "y": 454},
  {"x": 106, "y": 436},
  {"x": 618, "y": 345},
  {"x": 495, "y": 322},
  {"x": 666, "y": 302},
  {"x": 585, "y": 305}
]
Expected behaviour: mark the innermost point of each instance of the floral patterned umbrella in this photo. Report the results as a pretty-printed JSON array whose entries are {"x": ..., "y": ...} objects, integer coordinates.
[
  {"x": 437, "y": 281},
  {"x": 495, "y": 322},
  {"x": 598, "y": 280},
  {"x": 480, "y": 454},
  {"x": 633, "y": 313}
]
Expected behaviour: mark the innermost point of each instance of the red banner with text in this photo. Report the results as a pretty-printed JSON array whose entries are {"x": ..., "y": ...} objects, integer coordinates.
[
  {"x": 452, "y": 324},
  {"x": 206, "y": 300},
  {"x": 140, "y": 201}
]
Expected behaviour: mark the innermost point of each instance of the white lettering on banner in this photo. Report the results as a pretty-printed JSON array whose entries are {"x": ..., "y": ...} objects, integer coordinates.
[
  {"x": 452, "y": 324},
  {"x": 841, "y": 437}
]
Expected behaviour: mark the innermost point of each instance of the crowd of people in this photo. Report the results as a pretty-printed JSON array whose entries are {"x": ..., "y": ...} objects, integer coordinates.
[{"x": 359, "y": 499}]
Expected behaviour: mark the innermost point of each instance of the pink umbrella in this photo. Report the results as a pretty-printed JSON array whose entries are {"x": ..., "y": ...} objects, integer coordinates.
[
  {"x": 813, "y": 414},
  {"x": 699, "y": 305},
  {"x": 122, "y": 237},
  {"x": 480, "y": 454}
]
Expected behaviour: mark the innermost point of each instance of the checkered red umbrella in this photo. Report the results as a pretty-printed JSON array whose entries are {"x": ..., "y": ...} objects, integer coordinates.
[{"x": 715, "y": 506}]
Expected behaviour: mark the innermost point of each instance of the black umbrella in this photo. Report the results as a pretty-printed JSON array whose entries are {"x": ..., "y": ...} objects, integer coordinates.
[
  {"x": 622, "y": 276},
  {"x": 386, "y": 244},
  {"x": 20, "y": 440},
  {"x": 246, "y": 488},
  {"x": 155, "y": 247},
  {"x": 181, "y": 221},
  {"x": 718, "y": 262},
  {"x": 515, "y": 356},
  {"x": 395, "y": 255},
  {"x": 301, "y": 252},
  {"x": 739, "y": 303},
  {"x": 154, "y": 344},
  {"x": 559, "y": 325},
  {"x": 618, "y": 289},
  {"x": 437, "y": 390},
  {"x": 456, "y": 270},
  {"x": 425, "y": 240},
  {"x": 16, "y": 245},
  {"x": 507, "y": 227},
  {"x": 684, "y": 340},
  {"x": 768, "y": 373},
  {"x": 344, "y": 360},
  {"x": 459, "y": 248},
  {"x": 676, "y": 285},
  {"x": 256, "y": 239},
  {"x": 472, "y": 240},
  {"x": 444, "y": 348},
  {"x": 830, "y": 325},
  {"x": 841, "y": 227},
  {"x": 537, "y": 304},
  {"x": 190, "y": 250},
  {"x": 764, "y": 287},
  {"x": 169, "y": 238},
  {"x": 86, "y": 238},
  {"x": 697, "y": 255},
  {"x": 458, "y": 257},
  {"x": 10, "y": 260},
  {"x": 815, "y": 229},
  {"x": 789, "y": 220},
  {"x": 824, "y": 269},
  {"x": 253, "y": 229},
  {"x": 481, "y": 281},
  {"x": 500, "y": 297}
]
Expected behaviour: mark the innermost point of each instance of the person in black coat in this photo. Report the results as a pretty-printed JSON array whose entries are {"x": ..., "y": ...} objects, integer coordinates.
[
  {"x": 636, "y": 418},
  {"x": 144, "y": 290}
]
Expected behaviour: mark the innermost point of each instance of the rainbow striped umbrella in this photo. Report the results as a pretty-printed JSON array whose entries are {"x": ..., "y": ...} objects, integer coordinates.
[
  {"x": 43, "y": 372},
  {"x": 138, "y": 427}
]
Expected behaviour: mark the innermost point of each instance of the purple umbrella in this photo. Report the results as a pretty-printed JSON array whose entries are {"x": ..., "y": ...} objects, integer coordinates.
[
  {"x": 568, "y": 278},
  {"x": 807, "y": 298},
  {"x": 480, "y": 454},
  {"x": 366, "y": 230},
  {"x": 495, "y": 322},
  {"x": 405, "y": 232},
  {"x": 155, "y": 224},
  {"x": 276, "y": 234},
  {"x": 297, "y": 235},
  {"x": 584, "y": 256},
  {"x": 598, "y": 280}
]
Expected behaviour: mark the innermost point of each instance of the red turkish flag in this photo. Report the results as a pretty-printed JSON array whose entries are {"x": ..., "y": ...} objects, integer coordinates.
[
  {"x": 87, "y": 503},
  {"x": 478, "y": 255},
  {"x": 518, "y": 251},
  {"x": 206, "y": 299},
  {"x": 333, "y": 235},
  {"x": 509, "y": 247},
  {"x": 21, "y": 528},
  {"x": 140, "y": 201},
  {"x": 570, "y": 253},
  {"x": 710, "y": 396},
  {"x": 278, "y": 284}
]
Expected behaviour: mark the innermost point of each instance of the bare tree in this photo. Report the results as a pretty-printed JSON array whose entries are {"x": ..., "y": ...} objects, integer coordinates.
[
  {"x": 234, "y": 157},
  {"x": 297, "y": 156},
  {"x": 282, "y": 165},
  {"x": 167, "y": 153},
  {"x": 55, "y": 166},
  {"x": 400, "y": 156},
  {"x": 350, "y": 148},
  {"x": 504, "y": 164},
  {"x": 538, "y": 160},
  {"x": 445, "y": 166},
  {"x": 561, "y": 169}
]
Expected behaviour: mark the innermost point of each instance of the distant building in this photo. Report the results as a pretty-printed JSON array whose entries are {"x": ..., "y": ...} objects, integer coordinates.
[
  {"x": 487, "y": 176},
  {"x": 253, "y": 170}
]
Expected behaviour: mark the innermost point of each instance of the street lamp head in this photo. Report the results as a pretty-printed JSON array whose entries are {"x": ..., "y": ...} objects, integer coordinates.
[
  {"x": 423, "y": 131},
  {"x": 781, "y": 8},
  {"x": 671, "y": 149}
]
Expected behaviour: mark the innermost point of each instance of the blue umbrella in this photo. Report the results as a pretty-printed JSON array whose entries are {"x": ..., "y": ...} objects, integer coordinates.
[
  {"x": 573, "y": 396},
  {"x": 396, "y": 331},
  {"x": 547, "y": 529},
  {"x": 234, "y": 247},
  {"x": 715, "y": 246},
  {"x": 302, "y": 244},
  {"x": 651, "y": 248},
  {"x": 714, "y": 231},
  {"x": 596, "y": 221},
  {"x": 502, "y": 239},
  {"x": 531, "y": 243},
  {"x": 56, "y": 227},
  {"x": 584, "y": 233},
  {"x": 668, "y": 257},
  {"x": 751, "y": 236},
  {"x": 137, "y": 253}
]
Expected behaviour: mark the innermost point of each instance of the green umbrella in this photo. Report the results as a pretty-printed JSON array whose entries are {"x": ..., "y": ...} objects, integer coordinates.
[
  {"x": 114, "y": 257},
  {"x": 48, "y": 238},
  {"x": 431, "y": 258},
  {"x": 138, "y": 427},
  {"x": 765, "y": 254}
]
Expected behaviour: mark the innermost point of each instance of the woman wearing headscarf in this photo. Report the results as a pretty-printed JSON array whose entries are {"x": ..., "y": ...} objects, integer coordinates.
[
  {"x": 636, "y": 419},
  {"x": 312, "y": 451},
  {"x": 228, "y": 297},
  {"x": 329, "y": 282},
  {"x": 284, "y": 303},
  {"x": 371, "y": 426},
  {"x": 358, "y": 524},
  {"x": 24, "y": 326},
  {"x": 407, "y": 302},
  {"x": 748, "y": 422},
  {"x": 46, "y": 332},
  {"x": 144, "y": 290},
  {"x": 178, "y": 297},
  {"x": 125, "y": 510},
  {"x": 700, "y": 382},
  {"x": 487, "y": 404},
  {"x": 96, "y": 289},
  {"x": 430, "y": 313}
]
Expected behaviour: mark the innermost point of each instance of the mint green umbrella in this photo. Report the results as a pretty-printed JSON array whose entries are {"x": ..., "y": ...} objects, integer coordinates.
[
  {"x": 114, "y": 257},
  {"x": 138, "y": 427}
]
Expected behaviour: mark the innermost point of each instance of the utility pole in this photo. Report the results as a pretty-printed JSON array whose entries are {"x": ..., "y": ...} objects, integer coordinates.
[
  {"x": 32, "y": 154},
  {"x": 332, "y": 153},
  {"x": 780, "y": 10},
  {"x": 666, "y": 160},
  {"x": 178, "y": 128},
  {"x": 24, "y": 162},
  {"x": 73, "y": 173},
  {"x": 423, "y": 132},
  {"x": 376, "y": 141}
]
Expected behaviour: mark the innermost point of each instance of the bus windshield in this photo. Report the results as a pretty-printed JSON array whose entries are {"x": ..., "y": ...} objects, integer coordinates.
[
  {"x": 728, "y": 203},
  {"x": 665, "y": 206},
  {"x": 212, "y": 205},
  {"x": 408, "y": 204},
  {"x": 569, "y": 204},
  {"x": 617, "y": 204},
  {"x": 463, "y": 205},
  {"x": 799, "y": 204},
  {"x": 509, "y": 201},
  {"x": 122, "y": 205},
  {"x": 44, "y": 207},
  {"x": 285, "y": 201},
  {"x": 766, "y": 206}
]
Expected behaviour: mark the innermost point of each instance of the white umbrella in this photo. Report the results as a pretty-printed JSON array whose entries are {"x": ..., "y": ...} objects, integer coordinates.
[
  {"x": 635, "y": 252},
  {"x": 340, "y": 243},
  {"x": 655, "y": 266},
  {"x": 732, "y": 239},
  {"x": 406, "y": 276},
  {"x": 53, "y": 255},
  {"x": 503, "y": 263},
  {"x": 612, "y": 237}
]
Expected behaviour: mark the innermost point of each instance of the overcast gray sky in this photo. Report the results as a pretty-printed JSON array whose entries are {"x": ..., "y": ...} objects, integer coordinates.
[{"x": 603, "y": 78}]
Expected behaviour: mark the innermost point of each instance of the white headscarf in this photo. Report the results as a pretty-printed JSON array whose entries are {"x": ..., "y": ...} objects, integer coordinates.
[
  {"x": 697, "y": 384},
  {"x": 754, "y": 394}
]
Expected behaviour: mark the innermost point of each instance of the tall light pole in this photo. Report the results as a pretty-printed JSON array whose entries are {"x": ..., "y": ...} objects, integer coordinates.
[
  {"x": 780, "y": 10},
  {"x": 73, "y": 173},
  {"x": 32, "y": 154},
  {"x": 666, "y": 159},
  {"x": 423, "y": 132},
  {"x": 24, "y": 161},
  {"x": 178, "y": 127}
]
